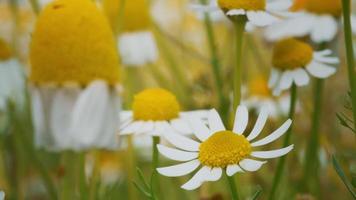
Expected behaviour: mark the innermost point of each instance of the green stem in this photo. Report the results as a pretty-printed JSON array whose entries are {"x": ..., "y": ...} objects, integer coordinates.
[
  {"x": 155, "y": 162},
  {"x": 82, "y": 178},
  {"x": 69, "y": 182},
  {"x": 35, "y": 6},
  {"x": 232, "y": 185},
  {"x": 281, "y": 162},
  {"x": 350, "y": 55},
  {"x": 131, "y": 166},
  {"x": 311, "y": 158},
  {"x": 215, "y": 64},
  {"x": 240, "y": 22}
]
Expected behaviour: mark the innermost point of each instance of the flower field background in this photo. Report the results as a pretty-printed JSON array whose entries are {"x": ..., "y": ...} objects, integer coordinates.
[{"x": 98, "y": 98}]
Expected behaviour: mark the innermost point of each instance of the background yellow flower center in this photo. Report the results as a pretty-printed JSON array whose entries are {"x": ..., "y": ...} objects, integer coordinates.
[
  {"x": 290, "y": 54},
  {"x": 73, "y": 42},
  {"x": 5, "y": 51},
  {"x": 259, "y": 87},
  {"x": 242, "y": 4},
  {"x": 155, "y": 104},
  {"x": 133, "y": 15},
  {"x": 331, "y": 7},
  {"x": 224, "y": 148}
]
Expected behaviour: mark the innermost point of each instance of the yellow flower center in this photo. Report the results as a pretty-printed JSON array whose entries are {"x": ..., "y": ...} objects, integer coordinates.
[
  {"x": 259, "y": 87},
  {"x": 5, "y": 51},
  {"x": 224, "y": 148},
  {"x": 330, "y": 7},
  {"x": 155, "y": 104},
  {"x": 131, "y": 16},
  {"x": 242, "y": 4},
  {"x": 289, "y": 54},
  {"x": 73, "y": 42}
]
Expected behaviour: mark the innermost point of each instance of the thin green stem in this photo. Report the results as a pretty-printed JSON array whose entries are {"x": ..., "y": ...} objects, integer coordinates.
[
  {"x": 215, "y": 64},
  {"x": 131, "y": 166},
  {"x": 232, "y": 185},
  {"x": 35, "y": 6},
  {"x": 155, "y": 162},
  {"x": 69, "y": 181},
  {"x": 281, "y": 162},
  {"x": 350, "y": 55},
  {"x": 82, "y": 178},
  {"x": 240, "y": 22},
  {"x": 311, "y": 158}
]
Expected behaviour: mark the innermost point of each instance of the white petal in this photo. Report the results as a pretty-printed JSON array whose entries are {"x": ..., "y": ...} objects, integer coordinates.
[
  {"x": 241, "y": 120},
  {"x": 197, "y": 180},
  {"x": 260, "y": 123},
  {"x": 325, "y": 59},
  {"x": 181, "y": 126},
  {"x": 176, "y": 154},
  {"x": 180, "y": 169},
  {"x": 273, "y": 136},
  {"x": 132, "y": 128},
  {"x": 320, "y": 70},
  {"x": 261, "y": 18},
  {"x": 279, "y": 5},
  {"x": 203, "y": 8},
  {"x": 182, "y": 142},
  {"x": 215, "y": 122},
  {"x": 214, "y": 174},
  {"x": 161, "y": 128},
  {"x": 274, "y": 77},
  {"x": 273, "y": 153},
  {"x": 89, "y": 113},
  {"x": 147, "y": 126},
  {"x": 325, "y": 52},
  {"x": 233, "y": 169},
  {"x": 200, "y": 130},
  {"x": 235, "y": 12},
  {"x": 38, "y": 117},
  {"x": 325, "y": 29},
  {"x": 301, "y": 77},
  {"x": 251, "y": 165},
  {"x": 286, "y": 80}
]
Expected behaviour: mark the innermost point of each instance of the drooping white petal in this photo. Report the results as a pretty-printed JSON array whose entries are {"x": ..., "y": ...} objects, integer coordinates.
[
  {"x": 261, "y": 18},
  {"x": 203, "y": 8},
  {"x": 251, "y": 165},
  {"x": 325, "y": 52},
  {"x": 214, "y": 174},
  {"x": 182, "y": 142},
  {"x": 235, "y": 12},
  {"x": 147, "y": 126},
  {"x": 89, "y": 113},
  {"x": 176, "y": 154},
  {"x": 197, "y": 180},
  {"x": 131, "y": 128},
  {"x": 280, "y": 5},
  {"x": 325, "y": 59},
  {"x": 273, "y": 153},
  {"x": 241, "y": 120},
  {"x": 181, "y": 126},
  {"x": 215, "y": 122},
  {"x": 180, "y": 169},
  {"x": 325, "y": 29},
  {"x": 200, "y": 130},
  {"x": 233, "y": 169},
  {"x": 260, "y": 123},
  {"x": 274, "y": 77},
  {"x": 286, "y": 80},
  {"x": 301, "y": 77},
  {"x": 273, "y": 136},
  {"x": 38, "y": 117},
  {"x": 161, "y": 128},
  {"x": 320, "y": 70}
]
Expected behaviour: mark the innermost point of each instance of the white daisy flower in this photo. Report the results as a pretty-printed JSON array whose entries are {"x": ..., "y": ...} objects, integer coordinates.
[
  {"x": 220, "y": 149},
  {"x": 294, "y": 61},
  {"x": 74, "y": 80},
  {"x": 136, "y": 43},
  {"x": 259, "y": 13},
  {"x": 155, "y": 112},
  {"x": 319, "y": 19}
]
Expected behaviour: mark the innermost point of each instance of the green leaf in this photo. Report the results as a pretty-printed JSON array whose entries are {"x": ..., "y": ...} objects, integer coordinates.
[
  {"x": 257, "y": 193},
  {"x": 142, "y": 178},
  {"x": 341, "y": 174},
  {"x": 343, "y": 121},
  {"x": 142, "y": 190}
]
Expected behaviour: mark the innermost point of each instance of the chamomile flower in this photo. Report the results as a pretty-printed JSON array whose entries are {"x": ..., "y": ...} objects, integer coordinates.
[
  {"x": 294, "y": 61},
  {"x": 220, "y": 149},
  {"x": 258, "y": 96},
  {"x": 74, "y": 77},
  {"x": 155, "y": 112},
  {"x": 259, "y": 13},
  {"x": 136, "y": 42},
  {"x": 319, "y": 19}
]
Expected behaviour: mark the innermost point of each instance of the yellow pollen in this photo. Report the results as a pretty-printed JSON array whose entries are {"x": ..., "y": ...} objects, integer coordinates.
[
  {"x": 155, "y": 104},
  {"x": 73, "y": 42},
  {"x": 290, "y": 54},
  {"x": 259, "y": 87},
  {"x": 5, "y": 51},
  {"x": 331, "y": 7},
  {"x": 255, "y": 5},
  {"x": 224, "y": 148}
]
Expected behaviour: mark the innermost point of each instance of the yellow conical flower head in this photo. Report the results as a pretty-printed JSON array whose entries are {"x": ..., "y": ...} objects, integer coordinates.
[
  {"x": 133, "y": 14},
  {"x": 298, "y": 5},
  {"x": 242, "y": 4},
  {"x": 331, "y": 7},
  {"x": 5, "y": 51},
  {"x": 289, "y": 54},
  {"x": 259, "y": 87},
  {"x": 73, "y": 42}
]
